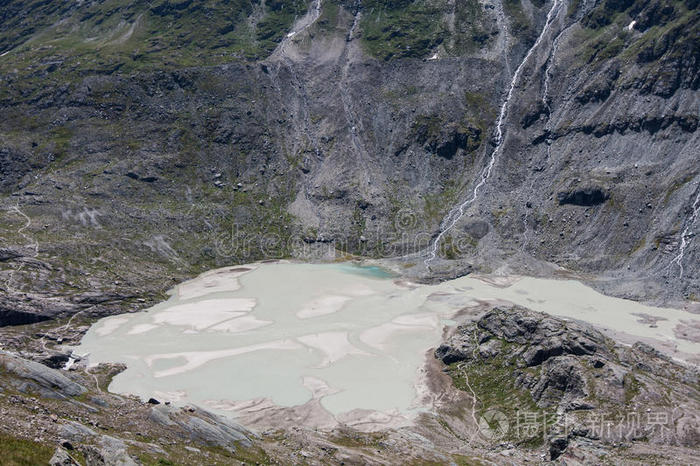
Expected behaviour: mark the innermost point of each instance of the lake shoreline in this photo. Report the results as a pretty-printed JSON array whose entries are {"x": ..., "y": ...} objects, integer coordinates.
[{"x": 233, "y": 311}]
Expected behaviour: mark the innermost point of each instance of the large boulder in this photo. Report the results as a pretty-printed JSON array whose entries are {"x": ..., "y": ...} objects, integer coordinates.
[
  {"x": 204, "y": 427},
  {"x": 586, "y": 196},
  {"x": 109, "y": 451},
  {"x": 43, "y": 376},
  {"x": 62, "y": 458}
]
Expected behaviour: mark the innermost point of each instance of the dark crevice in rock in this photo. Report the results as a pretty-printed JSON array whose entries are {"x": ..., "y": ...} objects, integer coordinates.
[
  {"x": 652, "y": 125},
  {"x": 532, "y": 117},
  {"x": 587, "y": 197},
  {"x": 11, "y": 317}
]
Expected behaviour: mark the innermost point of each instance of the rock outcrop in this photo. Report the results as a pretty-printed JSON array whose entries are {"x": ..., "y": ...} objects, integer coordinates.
[
  {"x": 44, "y": 378},
  {"x": 576, "y": 374}
]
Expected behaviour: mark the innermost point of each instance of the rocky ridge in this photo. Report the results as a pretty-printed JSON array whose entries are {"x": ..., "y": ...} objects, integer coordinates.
[{"x": 581, "y": 385}]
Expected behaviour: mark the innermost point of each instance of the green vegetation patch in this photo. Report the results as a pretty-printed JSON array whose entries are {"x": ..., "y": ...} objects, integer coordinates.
[
  {"x": 61, "y": 137},
  {"x": 493, "y": 383},
  {"x": 278, "y": 20},
  {"x": 20, "y": 452},
  {"x": 328, "y": 20},
  {"x": 402, "y": 28},
  {"x": 669, "y": 28},
  {"x": 355, "y": 439},
  {"x": 43, "y": 39},
  {"x": 437, "y": 204},
  {"x": 520, "y": 23},
  {"x": 470, "y": 31},
  {"x": 414, "y": 28}
]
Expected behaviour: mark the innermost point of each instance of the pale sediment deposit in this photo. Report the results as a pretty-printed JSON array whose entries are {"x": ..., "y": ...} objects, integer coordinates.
[{"x": 330, "y": 343}]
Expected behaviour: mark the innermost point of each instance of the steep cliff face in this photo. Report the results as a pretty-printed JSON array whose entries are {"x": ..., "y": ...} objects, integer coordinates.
[
  {"x": 603, "y": 145},
  {"x": 142, "y": 142}
]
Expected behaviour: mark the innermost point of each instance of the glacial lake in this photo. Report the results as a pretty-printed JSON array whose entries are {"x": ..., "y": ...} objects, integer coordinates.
[{"x": 350, "y": 337}]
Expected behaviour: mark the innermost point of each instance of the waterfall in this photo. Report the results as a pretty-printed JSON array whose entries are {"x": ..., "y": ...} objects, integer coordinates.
[
  {"x": 686, "y": 236},
  {"x": 458, "y": 212}
]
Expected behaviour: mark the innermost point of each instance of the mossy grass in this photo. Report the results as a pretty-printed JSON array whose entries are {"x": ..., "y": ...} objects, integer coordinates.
[
  {"x": 493, "y": 383},
  {"x": 16, "y": 451},
  {"x": 66, "y": 44},
  {"x": 402, "y": 28}
]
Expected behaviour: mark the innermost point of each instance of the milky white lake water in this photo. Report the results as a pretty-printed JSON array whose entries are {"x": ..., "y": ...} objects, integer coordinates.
[{"x": 352, "y": 337}]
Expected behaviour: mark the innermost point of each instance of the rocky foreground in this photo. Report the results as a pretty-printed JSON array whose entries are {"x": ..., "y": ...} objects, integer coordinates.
[
  {"x": 514, "y": 386},
  {"x": 568, "y": 386}
]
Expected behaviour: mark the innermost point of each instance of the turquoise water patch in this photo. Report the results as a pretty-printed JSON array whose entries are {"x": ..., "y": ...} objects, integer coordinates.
[
  {"x": 344, "y": 336},
  {"x": 371, "y": 271}
]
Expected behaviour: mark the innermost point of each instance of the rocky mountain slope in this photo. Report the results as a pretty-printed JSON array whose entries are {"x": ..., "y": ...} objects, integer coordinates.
[{"x": 145, "y": 141}]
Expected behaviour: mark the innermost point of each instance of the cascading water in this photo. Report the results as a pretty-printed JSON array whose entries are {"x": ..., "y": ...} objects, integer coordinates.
[
  {"x": 458, "y": 212},
  {"x": 354, "y": 123},
  {"x": 550, "y": 64},
  {"x": 687, "y": 235}
]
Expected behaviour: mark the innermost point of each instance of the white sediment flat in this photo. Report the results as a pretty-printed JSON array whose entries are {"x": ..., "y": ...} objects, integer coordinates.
[
  {"x": 333, "y": 345},
  {"x": 322, "y": 306},
  {"x": 241, "y": 324},
  {"x": 205, "y": 313},
  {"x": 107, "y": 326},
  {"x": 141, "y": 328},
  {"x": 344, "y": 341},
  {"x": 213, "y": 281}
]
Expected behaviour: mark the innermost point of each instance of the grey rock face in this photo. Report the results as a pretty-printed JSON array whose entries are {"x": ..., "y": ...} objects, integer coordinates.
[
  {"x": 583, "y": 197},
  {"x": 566, "y": 366},
  {"x": 76, "y": 431},
  {"x": 8, "y": 254},
  {"x": 12, "y": 313},
  {"x": 45, "y": 377},
  {"x": 207, "y": 428},
  {"x": 557, "y": 446},
  {"x": 109, "y": 451},
  {"x": 13, "y": 166},
  {"x": 161, "y": 415},
  {"x": 62, "y": 458},
  {"x": 217, "y": 434}
]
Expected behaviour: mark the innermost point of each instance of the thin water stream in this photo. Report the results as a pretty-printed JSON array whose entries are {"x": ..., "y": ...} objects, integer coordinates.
[{"x": 458, "y": 212}]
